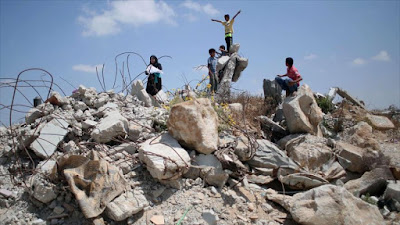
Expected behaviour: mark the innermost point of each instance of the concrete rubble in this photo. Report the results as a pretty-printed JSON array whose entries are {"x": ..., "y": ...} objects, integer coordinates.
[
  {"x": 195, "y": 125},
  {"x": 232, "y": 70},
  {"x": 272, "y": 90},
  {"x": 164, "y": 157},
  {"x": 302, "y": 112},
  {"x": 328, "y": 204},
  {"x": 113, "y": 158}
]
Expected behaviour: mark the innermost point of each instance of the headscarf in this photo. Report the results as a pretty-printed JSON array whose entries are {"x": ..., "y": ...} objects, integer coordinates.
[{"x": 156, "y": 64}]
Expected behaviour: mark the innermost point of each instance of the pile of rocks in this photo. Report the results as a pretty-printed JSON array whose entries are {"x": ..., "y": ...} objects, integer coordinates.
[{"x": 105, "y": 157}]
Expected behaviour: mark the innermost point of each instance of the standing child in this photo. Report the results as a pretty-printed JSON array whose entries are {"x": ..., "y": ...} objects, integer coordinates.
[
  {"x": 228, "y": 24},
  {"x": 292, "y": 83},
  {"x": 154, "y": 71},
  {"x": 212, "y": 69}
]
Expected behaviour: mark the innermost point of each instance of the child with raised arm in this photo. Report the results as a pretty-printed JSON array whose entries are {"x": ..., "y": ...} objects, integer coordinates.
[
  {"x": 291, "y": 84},
  {"x": 228, "y": 24}
]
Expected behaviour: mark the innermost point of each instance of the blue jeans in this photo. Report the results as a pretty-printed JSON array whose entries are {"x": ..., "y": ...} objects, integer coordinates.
[{"x": 284, "y": 83}]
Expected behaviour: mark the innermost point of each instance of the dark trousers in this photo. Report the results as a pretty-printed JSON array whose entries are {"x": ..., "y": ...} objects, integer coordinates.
[{"x": 228, "y": 43}]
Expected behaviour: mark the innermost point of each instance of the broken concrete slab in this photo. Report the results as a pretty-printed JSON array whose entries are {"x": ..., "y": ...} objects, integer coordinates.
[
  {"x": 347, "y": 96},
  {"x": 372, "y": 182},
  {"x": 332, "y": 93},
  {"x": 302, "y": 112},
  {"x": 269, "y": 156},
  {"x": 50, "y": 136},
  {"x": 269, "y": 126},
  {"x": 380, "y": 122},
  {"x": 328, "y": 205},
  {"x": 126, "y": 205},
  {"x": 164, "y": 157},
  {"x": 195, "y": 125},
  {"x": 113, "y": 125},
  {"x": 272, "y": 90}
]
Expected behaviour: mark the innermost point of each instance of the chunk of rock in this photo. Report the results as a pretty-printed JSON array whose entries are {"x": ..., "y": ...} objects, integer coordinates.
[
  {"x": 164, "y": 157},
  {"x": 211, "y": 170},
  {"x": 88, "y": 124},
  {"x": 139, "y": 91},
  {"x": 48, "y": 167},
  {"x": 392, "y": 190},
  {"x": 130, "y": 148},
  {"x": 210, "y": 217},
  {"x": 93, "y": 181},
  {"x": 380, "y": 122},
  {"x": 243, "y": 148},
  {"x": 302, "y": 112},
  {"x": 353, "y": 154},
  {"x": 236, "y": 108},
  {"x": 113, "y": 125},
  {"x": 328, "y": 205},
  {"x": 309, "y": 151},
  {"x": 43, "y": 191},
  {"x": 126, "y": 205},
  {"x": 195, "y": 125},
  {"x": 300, "y": 181},
  {"x": 222, "y": 62},
  {"x": 50, "y": 136},
  {"x": 372, "y": 182},
  {"x": 241, "y": 64},
  {"x": 32, "y": 115}
]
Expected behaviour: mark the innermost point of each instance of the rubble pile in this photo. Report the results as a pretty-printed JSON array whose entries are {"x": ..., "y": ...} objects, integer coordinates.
[{"x": 110, "y": 158}]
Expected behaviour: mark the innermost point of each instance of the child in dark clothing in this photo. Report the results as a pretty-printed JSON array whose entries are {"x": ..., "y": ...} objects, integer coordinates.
[
  {"x": 223, "y": 51},
  {"x": 154, "y": 70}
]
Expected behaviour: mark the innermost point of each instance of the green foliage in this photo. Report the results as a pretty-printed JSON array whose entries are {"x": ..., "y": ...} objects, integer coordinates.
[
  {"x": 325, "y": 104},
  {"x": 367, "y": 198}
]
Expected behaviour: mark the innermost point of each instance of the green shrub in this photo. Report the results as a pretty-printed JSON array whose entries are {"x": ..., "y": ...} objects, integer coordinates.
[{"x": 325, "y": 104}]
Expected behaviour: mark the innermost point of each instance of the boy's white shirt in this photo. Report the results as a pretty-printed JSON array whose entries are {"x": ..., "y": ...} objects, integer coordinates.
[{"x": 152, "y": 69}]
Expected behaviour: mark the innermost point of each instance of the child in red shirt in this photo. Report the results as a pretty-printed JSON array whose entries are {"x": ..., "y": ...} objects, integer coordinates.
[{"x": 291, "y": 84}]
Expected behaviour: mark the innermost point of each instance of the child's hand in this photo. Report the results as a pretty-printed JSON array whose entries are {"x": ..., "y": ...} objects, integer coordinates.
[{"x": 291, "y": 83}]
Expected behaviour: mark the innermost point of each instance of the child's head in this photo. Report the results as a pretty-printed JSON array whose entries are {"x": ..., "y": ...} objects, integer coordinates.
[
  {"x": 226, "y": 17},
  {"x": 289, "y": 62},
  {"x": 153, "y": 59},
  {"x": 212, "y": 52},
  {"x": 222, "y": 47}
]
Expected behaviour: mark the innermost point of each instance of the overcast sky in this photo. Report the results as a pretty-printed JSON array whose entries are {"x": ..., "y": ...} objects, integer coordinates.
[{"x": 349, "y": 44}]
